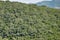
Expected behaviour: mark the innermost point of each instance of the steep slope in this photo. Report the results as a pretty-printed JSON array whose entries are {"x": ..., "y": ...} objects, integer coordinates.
[{"x": 19, "y": 21}]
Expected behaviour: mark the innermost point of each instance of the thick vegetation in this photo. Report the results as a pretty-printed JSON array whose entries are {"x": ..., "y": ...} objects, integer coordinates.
[{"x": 19, "y": 21}]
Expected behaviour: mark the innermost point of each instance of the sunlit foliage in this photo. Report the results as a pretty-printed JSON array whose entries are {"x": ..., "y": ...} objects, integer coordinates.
[{"x": 19, "y": 21}]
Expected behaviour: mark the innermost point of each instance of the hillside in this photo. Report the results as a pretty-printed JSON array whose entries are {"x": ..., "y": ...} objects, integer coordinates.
[
  {"x": 19, "y": 21},
  {"x": 52, "y": 4},
  {"x": 46, "y": 3}
]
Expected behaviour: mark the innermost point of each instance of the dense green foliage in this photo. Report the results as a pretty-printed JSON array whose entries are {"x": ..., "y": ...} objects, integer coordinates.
[{"x": 19, "y": 21}]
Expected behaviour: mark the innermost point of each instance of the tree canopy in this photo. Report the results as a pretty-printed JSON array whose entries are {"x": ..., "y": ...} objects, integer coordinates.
[{"x": 20, "y": 21}]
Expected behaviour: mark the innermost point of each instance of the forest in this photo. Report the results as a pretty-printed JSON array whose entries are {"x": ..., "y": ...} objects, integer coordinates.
[{"x": 20, "y": 21}]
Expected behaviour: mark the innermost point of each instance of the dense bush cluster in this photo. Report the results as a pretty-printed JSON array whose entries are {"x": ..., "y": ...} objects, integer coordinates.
[{"x": 19, "y": 21}]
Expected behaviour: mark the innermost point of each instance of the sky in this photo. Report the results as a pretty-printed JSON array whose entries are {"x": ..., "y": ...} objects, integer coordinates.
[{"x": 29, "y": 1}]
